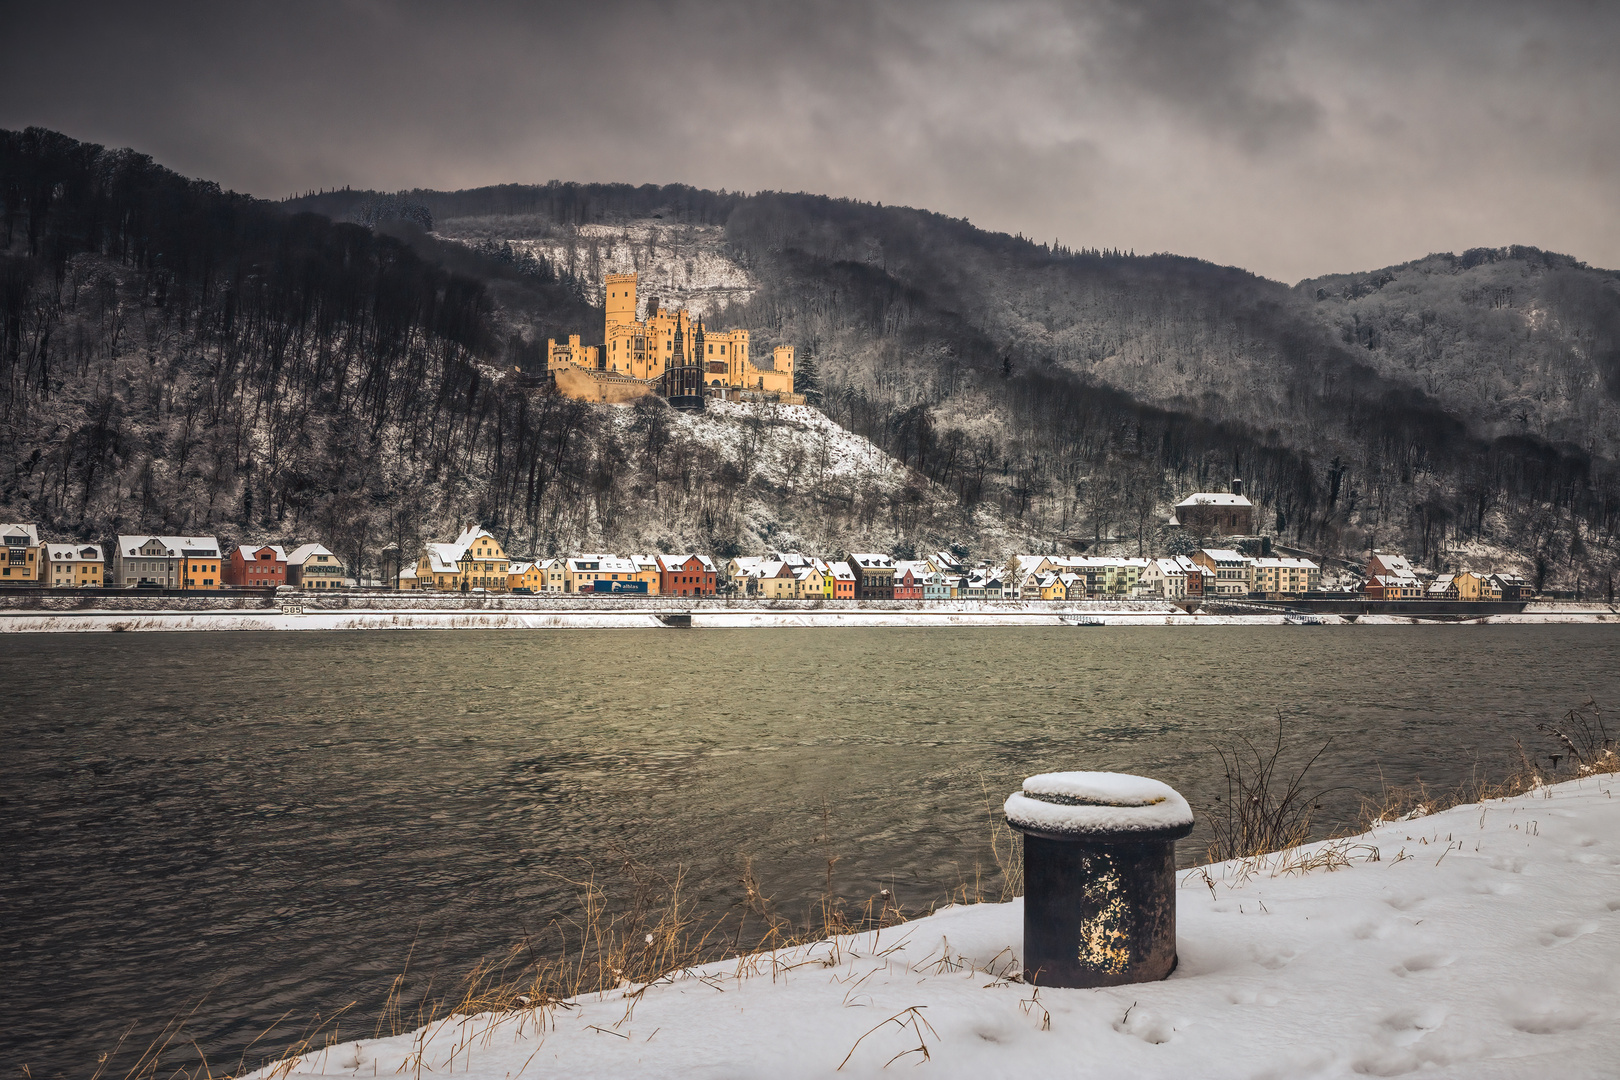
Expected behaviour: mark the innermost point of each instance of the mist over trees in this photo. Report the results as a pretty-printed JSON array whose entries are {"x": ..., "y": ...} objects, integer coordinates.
[{"x": 177, "y": 357}]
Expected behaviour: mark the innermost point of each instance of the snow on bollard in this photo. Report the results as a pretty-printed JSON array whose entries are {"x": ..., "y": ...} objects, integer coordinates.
[{"x": 1099, "y": 876}]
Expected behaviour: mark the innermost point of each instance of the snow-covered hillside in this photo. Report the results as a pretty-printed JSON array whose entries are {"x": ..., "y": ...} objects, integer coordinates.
[
  {"x": 1479, "y": 942},
  {"x": 682, "y": 265}
]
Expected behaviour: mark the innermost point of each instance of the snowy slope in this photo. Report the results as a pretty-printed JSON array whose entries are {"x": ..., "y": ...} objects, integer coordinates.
[
  {"x": 684, "y": 265},
  {"x": 1483, "y": 942}
]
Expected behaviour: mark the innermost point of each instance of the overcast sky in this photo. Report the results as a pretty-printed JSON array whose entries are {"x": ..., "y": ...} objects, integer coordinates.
[{"x": 1291, "y": 138}]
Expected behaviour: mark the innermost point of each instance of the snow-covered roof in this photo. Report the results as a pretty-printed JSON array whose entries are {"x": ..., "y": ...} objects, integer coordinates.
[
  {"x": 519, "y": 567},
  {"x": 918, "y": 567},
  {"x": 1394, "y": 565},
  {"x": 250, "y": 552},
  {"x": 197, "y": 547},
  {"x": 302, "y": 555},
  {"x": 473, "y": 534},
  {"x": 73, "y": 552},
  {"x": 1285, "y": 562},
  {"x": 444, "y": 558},
  {"x": 872, "y": 560},
  {"x": 841, "y": 571},
  {"x": 792, "y": 558},
  {"x": 408, "y": 574},
  {"x": 644, "y": 562},
  {"x": 675, "y": 563},
  {"x": 946, "y": 561},
  {"x": 1214, "y": 498},
  {"x": 1168, "y": 567},
  {"x": 21, "y": 535},
  {"x": 1221, "y": 555}
]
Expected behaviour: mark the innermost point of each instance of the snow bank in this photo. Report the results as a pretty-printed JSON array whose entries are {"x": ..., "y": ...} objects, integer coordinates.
[{"x": 1479, "y": 942}]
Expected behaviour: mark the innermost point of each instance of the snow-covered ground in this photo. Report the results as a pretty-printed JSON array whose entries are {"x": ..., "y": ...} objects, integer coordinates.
[
  {"x": 1483, "y": 941},
  {"x": 685, "y": 266}
]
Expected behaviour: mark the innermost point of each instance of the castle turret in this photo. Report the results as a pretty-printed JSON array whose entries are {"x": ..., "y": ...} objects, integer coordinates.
[{"x": 619, "y": 297}]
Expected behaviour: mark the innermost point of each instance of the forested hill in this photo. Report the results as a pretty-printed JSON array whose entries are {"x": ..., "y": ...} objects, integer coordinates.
[{"x": 175, "y": 355}]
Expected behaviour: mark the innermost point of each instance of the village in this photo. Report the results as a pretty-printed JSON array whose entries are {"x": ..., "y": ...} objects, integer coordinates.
[{"x": 1242, "y": 567}]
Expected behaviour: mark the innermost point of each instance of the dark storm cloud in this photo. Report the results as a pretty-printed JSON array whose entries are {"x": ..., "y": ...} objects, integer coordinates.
[{"x": 1289, "y": 136}]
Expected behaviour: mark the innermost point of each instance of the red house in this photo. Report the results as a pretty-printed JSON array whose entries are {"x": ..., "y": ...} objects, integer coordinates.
[
  {"x": 686, "y": 575},
  {"x": 907, "y": 585},
  {"x": 263, "y": 565}
]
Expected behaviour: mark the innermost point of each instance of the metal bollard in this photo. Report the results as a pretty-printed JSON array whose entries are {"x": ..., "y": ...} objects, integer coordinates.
[{"x": 1099, "y": 876}]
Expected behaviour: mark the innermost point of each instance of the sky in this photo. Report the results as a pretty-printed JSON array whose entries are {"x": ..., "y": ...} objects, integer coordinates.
[{"x": 1291, "y": 137}]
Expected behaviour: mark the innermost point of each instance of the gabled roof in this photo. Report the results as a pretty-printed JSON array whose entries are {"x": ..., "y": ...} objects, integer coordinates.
[
  {"x": 250, "y": 552},
  {"x": 1395, "y": 565},
  {"x": 444, "y": 558},
  {"x": 29, "y": 533},
  {"x": 473, "y": 533},
  {"x": 841, "y": 571},
  {"x": 674, "y": 563},
  {"x": 1221, "y": 555},
  {"x": 302, "y": 555},
  {"x": 1214, "y": 498},
  {"x": 198, "y": 547},
  {"x": 519, "y": 567},
  {"x": 73, "y": 552},
  {"x": 644, "y": 562}
]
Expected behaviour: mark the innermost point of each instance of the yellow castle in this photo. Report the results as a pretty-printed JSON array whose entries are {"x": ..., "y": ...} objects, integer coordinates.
[{"x": 668, "y": 352}]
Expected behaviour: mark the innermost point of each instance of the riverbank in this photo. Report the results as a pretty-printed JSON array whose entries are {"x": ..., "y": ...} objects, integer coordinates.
[
  {"x": 394, "y": 612},
  {"x": 1481, "y": 941}
]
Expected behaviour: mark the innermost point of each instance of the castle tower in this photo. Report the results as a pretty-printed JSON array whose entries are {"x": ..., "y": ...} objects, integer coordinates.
[{"x": 619, "y": 296}]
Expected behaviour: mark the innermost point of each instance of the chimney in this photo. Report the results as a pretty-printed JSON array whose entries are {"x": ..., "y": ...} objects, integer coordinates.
[{"x": 1237, "y": 486}]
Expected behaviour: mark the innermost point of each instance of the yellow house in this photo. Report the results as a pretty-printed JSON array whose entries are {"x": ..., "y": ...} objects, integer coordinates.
[
  {"x": 812, "y": 583},
  {"x": 646, "y": 569},
  {"x": 777, "y": 581},
  {"x": 1063, "y": 586},
  {"x": 22, "y": 558},
  {"x": 525, "y": 575},
  {"x": 553, "y": 575},
  {"x": 1472, "y": 586},
  {"x": 475, "y": 561},
  {"x": 71, "y": 566}
]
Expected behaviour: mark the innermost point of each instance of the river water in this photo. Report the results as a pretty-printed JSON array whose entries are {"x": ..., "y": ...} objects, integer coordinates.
[{"x": 275, "y": 825}]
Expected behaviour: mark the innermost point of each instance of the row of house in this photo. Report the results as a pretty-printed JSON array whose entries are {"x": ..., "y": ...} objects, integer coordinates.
[
  {"x": 167, "y": 562},
  {"x": 1393, "y": 577},
  {"x": 476, "y": 561}
]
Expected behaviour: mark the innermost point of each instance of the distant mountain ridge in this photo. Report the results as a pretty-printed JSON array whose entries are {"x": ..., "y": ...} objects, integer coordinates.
[{"x": 1463, "y": 405}]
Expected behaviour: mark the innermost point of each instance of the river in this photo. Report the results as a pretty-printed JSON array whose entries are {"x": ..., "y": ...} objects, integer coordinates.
[{"x": 273, "y": 825}]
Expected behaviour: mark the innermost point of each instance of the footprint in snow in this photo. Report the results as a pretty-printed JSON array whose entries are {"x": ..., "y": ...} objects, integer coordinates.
[
  {"x": 1614, "y": 905},
  {"x": 1405, "y": 903},
  {"x": 1553, "y": 1021},
  {"x": 1509, "y": 863},
  {"x": 1424, "y": 962},
  {"x": 1146, "y": 1025},
  {"x": 1564, "y": 933}
]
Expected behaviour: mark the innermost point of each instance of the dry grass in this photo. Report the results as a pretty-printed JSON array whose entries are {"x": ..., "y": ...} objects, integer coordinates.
[{"x": 1266, "y": 809}]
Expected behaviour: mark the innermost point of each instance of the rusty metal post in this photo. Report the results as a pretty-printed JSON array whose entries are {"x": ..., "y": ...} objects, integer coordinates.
[{"x": 1099, "y": 877}]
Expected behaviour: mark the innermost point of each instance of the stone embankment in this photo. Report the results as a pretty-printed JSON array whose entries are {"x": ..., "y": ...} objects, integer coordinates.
[{"x": 360, "y": 610}]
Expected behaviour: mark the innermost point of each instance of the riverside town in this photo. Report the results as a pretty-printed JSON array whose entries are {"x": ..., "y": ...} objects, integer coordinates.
[{"x": 1242, "y": 567}]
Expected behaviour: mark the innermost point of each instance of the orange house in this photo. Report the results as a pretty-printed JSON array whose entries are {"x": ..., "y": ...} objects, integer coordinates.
[
  {"x": 843, "y": 579},
  {"x": 686, "y": 575},
  {"x": 262, "y": 565}
]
